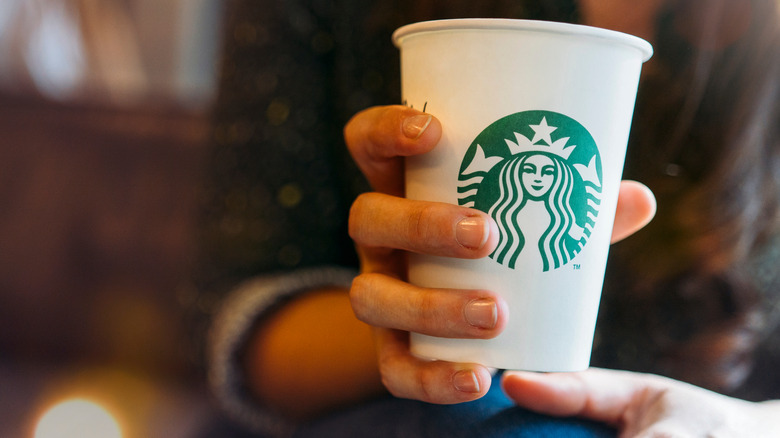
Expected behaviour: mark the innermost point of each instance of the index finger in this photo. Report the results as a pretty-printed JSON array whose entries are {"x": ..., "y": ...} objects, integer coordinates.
[{"x": 379, "y": 137}]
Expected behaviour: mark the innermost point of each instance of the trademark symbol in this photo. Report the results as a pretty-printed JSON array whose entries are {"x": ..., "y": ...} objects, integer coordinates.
[{"x": 576, "y": 266}]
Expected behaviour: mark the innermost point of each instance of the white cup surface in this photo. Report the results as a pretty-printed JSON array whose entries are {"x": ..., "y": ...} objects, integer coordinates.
[{"x": 536, "y": 118}]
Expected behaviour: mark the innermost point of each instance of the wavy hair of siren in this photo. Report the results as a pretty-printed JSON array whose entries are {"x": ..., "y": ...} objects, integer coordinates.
[{"x": 511, "y": 200}]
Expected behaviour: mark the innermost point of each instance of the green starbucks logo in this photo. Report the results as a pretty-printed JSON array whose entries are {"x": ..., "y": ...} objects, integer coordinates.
[{"x": 540, "y": 169}]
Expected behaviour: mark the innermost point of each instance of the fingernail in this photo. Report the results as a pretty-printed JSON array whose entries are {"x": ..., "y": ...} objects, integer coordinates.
[
  {"x": 415, "y": 126},
  {"x": 466, "y": 381},
  {"x": 482, "y": 313},
  {"x": 472, "y": 232}
]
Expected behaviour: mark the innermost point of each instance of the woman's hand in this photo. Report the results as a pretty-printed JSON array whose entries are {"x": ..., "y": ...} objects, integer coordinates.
[
  {"x": 642, "y": 405},
  {"x": 385, "y": 226}
]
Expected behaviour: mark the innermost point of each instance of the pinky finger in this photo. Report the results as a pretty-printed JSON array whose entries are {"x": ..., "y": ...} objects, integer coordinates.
[{"x": 440, "y": 382}]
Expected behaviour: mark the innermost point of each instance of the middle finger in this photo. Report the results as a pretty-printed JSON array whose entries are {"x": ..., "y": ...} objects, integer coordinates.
[{"x": 434, "y": 228}]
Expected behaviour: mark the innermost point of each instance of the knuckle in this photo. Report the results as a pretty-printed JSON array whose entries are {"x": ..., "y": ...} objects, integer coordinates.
[
  {"x": 353, "y": 129},
  {"x": 349, "y": 131},
  {"x": 388, "y": 365},
  {"x": 361, "y": 286},
  {"x": 426, "y": 382},
  {"x": 389, "y": 119},
  {"x": 421, "y": 222},
  {"x": 426, "y": 312},
  {"x": 385, "y": 371},
  {"x": 385, "y": 127},
  {"x": 356, "y": 214},
  {"x": 388, "y": 384}
]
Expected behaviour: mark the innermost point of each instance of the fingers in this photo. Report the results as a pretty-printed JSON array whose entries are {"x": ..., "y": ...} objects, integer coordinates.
[
  {"x": 639, "y": 405},
  {"x": 600, "y": 395},
  {"x": 406, "y": 376},
  {"x": 635, "y": 209},
  {"x": 379, "y": 137},
  {"x": 382, "y": 301},
  {"x": 383, "y": 221}
]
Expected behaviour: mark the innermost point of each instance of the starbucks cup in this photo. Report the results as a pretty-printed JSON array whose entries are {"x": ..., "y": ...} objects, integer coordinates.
[{"x": 535, "y": 118}]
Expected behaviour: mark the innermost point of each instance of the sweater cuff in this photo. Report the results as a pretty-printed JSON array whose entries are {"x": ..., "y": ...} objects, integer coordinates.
[{"x": 231, "y": 327}]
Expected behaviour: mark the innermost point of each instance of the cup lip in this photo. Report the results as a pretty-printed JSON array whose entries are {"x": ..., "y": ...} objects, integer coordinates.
[{"x": 522, "y": 24}]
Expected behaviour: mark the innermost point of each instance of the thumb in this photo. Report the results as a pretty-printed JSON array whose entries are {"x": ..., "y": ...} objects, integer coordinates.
[
  {"x": 635, "y": 209},
  {"x": 600, "y": 395}
]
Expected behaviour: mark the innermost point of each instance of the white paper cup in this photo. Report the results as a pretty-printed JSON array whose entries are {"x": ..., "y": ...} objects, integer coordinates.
[{"x": 535, "y": 117}]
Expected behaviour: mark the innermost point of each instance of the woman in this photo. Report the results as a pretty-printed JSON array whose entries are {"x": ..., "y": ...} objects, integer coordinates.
[{"x": 705, "y": 140}]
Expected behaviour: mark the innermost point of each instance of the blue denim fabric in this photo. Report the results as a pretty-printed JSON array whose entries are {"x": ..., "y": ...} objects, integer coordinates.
[{"x": 493, "y": 416}]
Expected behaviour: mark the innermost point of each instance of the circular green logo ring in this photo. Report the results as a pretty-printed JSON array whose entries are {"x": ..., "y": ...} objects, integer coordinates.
[{"x": 539, "y": 175}]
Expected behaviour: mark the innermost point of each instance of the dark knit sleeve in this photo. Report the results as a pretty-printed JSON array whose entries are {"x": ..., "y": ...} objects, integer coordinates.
[
  {"x": 273, "y": 221},
  {"x": 231, "y": 325}
]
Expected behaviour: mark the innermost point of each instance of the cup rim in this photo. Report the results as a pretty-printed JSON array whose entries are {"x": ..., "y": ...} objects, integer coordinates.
[{"x": 521, "y": 24}]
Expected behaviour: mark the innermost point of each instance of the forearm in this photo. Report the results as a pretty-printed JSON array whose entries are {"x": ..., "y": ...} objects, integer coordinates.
[{"x": 312, "y": 355}]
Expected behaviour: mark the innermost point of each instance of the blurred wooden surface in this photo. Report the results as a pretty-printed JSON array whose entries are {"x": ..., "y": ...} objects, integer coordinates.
[{"x": 97, "y": 212}]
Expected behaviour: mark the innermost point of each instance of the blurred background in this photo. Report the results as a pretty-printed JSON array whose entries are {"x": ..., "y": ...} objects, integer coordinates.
[{"x": 103, "y": 130}]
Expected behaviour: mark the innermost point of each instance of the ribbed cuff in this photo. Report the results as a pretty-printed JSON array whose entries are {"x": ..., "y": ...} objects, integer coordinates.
[{"x": 231, "y": 327}]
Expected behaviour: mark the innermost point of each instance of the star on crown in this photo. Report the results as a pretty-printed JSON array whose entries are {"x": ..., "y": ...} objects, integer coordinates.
[{"x": 542, "y": 142}]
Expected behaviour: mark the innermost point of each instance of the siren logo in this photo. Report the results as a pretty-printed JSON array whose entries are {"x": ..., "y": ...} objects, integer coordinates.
[{"x": 538, "y": 174}]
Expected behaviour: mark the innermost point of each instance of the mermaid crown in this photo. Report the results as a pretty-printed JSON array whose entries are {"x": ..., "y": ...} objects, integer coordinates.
[{"x": 542, "y": 142}]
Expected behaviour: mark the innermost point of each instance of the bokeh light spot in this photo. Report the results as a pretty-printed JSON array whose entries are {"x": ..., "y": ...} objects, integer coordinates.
[{"x": 77, "y": 418}]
